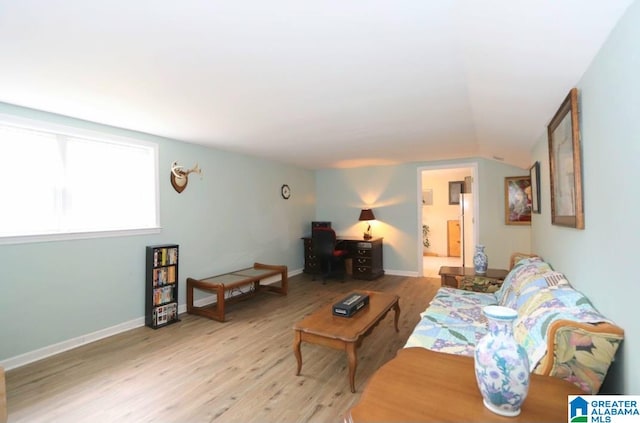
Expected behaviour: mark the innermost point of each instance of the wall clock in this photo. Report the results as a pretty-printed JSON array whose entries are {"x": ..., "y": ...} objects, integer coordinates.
[{"x": 285, "y": 191}]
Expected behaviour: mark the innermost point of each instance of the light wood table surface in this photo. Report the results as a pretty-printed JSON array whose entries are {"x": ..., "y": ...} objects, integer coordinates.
[
  {"x": 344, "y": 333},
  {"x": 421, "y": 385}
]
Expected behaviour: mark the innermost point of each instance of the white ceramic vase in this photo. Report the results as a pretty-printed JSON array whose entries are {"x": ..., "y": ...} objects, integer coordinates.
[{"x": 501, "y": 364}]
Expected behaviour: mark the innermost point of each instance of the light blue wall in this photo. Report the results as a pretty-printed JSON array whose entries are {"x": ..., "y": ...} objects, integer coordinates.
[
  {"x": 601, "y": 259},
  {"x": 233, "y": 216},
  {"x": 500, "y": 240},
  {"x": 393, "y": 193}
]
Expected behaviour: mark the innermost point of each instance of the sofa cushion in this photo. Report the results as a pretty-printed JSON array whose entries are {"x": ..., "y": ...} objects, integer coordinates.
[
  {"x": 453, "y": 322},
  {"x": 523, "y": 271},
  {"x": 458, "y": 306},
  {"x": 522, "y": 292},
  {"x": 583, "y": 353}
]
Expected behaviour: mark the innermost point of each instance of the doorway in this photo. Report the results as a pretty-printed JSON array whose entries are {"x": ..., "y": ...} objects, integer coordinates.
[{"x": 447, "y": 221}]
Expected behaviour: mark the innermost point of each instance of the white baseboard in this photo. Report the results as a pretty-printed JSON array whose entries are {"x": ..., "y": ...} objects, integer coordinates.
[
  {"x": 48, "y": 351},
  {"x": 401, "y": 273},
  {"x": 40, "y": 353}
]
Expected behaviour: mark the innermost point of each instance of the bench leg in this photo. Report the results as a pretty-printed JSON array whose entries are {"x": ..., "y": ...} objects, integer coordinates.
[
  {"x": 189, "y": 295},
  {"x": 220, "y": 303}
]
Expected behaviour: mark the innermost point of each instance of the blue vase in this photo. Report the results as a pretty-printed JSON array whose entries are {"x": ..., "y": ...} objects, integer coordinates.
[
  {"x": 480, "y": 260},
  {"x": 501, "y": 364}
]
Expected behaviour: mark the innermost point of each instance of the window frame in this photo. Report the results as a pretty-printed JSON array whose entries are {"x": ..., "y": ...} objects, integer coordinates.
[{"x": 91, "y": 135}]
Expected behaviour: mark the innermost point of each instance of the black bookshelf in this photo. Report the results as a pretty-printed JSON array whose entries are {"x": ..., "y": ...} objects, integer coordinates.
[{"x": 161, "y": 280}]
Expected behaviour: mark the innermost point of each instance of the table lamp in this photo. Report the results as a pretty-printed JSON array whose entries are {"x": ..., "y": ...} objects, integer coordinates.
[{"x": 367, "y": 215}]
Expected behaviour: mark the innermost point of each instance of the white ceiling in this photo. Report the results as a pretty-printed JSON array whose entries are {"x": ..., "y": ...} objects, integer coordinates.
[{"x": 315, "y": 83}]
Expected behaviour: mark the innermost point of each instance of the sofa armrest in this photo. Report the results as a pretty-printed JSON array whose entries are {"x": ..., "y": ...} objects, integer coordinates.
[{"x": 582, "y": 352}]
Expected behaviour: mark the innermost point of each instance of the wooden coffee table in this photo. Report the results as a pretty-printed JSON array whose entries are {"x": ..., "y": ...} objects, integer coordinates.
[
  {"x": 344, "y": 333},
  {"x": 421, "y": 385}
]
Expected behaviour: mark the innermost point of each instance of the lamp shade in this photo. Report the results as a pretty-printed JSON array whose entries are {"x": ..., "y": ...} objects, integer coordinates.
[{"x": 367, "y": 214}]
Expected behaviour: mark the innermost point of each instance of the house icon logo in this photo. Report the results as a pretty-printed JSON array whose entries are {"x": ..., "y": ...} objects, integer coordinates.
[{"x": 578, "y": 410}]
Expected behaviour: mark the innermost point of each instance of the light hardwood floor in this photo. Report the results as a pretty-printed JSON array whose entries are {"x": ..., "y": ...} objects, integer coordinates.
[{"x": 200, "y": 370}]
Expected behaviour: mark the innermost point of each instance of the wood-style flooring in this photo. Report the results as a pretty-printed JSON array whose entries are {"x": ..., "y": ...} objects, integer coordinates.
[{"x": 200, "y": 370}]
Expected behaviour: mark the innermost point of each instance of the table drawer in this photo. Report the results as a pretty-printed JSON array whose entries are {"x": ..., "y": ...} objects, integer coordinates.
[
  {"x": 362, "y": 252},
  {"x": 361, "y": 271},
  {"x": 362, "y": 261}
]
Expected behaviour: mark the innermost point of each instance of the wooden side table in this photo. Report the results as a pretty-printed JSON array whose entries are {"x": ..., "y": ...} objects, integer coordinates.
[
  {"x": 449, "y": 276},
  {"x": 421, "y": 385}
]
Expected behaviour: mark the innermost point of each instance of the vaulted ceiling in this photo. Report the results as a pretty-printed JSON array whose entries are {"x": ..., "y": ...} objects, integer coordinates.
[{"x": 314, "y": 83}]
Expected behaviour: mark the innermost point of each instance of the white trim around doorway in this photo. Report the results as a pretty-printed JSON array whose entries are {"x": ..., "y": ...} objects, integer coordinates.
[{"x": 476, "y": 202}]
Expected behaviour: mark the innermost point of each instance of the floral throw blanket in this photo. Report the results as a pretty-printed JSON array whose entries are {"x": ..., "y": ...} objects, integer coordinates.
[
  {"x": 582, "y": 352},
  {"x": 453, "y": 322}
]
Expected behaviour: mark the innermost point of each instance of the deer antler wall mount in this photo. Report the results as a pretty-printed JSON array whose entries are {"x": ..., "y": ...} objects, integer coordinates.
[{"x": 180, "y": 176}]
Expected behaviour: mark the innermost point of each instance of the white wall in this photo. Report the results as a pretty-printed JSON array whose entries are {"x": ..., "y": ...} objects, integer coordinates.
[
  {"x": 56, "y": 291},
  {"x": 600, "y": 260}
]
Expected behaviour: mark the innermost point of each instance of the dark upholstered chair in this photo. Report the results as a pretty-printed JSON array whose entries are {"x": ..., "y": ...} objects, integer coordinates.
[{"x": 330, "y": 259}]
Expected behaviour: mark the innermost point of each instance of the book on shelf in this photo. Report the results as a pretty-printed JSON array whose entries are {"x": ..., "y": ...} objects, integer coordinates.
[
  {"x": 165, "y": 313},
  {"x": 163, "y": 295},
  {"x": 173, "y": 255}
]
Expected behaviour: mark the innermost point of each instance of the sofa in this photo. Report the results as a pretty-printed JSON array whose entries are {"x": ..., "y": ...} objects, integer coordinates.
[{"x": 562, "y": 332}]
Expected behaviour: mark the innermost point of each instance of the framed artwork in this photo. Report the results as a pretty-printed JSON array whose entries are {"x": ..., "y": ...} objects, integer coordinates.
[
  {"x": 534, "y": 175},
  {"x": 427, "y": 197},
  {"x": 565, "y": 164},
  {"x": 455, "y": 189},
  {"x": 517, "y": 200}
]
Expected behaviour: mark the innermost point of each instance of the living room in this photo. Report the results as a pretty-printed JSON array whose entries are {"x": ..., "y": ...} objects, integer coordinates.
[{"x": 61, "y": 294}]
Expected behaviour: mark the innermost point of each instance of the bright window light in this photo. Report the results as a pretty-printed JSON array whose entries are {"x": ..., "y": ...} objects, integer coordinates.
[{"x": 63, "y": 183}]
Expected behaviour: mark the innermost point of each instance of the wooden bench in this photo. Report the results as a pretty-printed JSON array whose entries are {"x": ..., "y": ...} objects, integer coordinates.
[{"x": 224, "y": 286}]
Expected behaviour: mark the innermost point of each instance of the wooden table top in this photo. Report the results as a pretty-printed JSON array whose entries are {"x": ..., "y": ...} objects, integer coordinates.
[
  {"x": 348, "y": 329},
  {"x": 421, "y": 385},
  {"x": 469, "y": 271}
]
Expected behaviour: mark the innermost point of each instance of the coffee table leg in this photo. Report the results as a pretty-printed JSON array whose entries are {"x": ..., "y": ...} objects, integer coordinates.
[
  {"x": 353, "y": 363},
  {"x": 297, "y": 340},
  {"x": 396, "y": 308}
]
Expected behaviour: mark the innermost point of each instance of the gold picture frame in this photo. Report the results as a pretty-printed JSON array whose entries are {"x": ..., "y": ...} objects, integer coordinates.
[
  {"x": 565, "y": 164},
  {"x": 517, "y": 200}
]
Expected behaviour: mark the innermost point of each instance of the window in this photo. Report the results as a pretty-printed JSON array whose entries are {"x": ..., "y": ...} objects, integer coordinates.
[{"x": 62, "y": 182}]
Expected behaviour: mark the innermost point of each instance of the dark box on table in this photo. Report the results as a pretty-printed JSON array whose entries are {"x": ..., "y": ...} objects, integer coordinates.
[{"x": 350, "y": 305}]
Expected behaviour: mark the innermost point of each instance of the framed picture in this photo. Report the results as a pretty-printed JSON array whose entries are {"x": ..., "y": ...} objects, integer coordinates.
[
  {"x": 427, "y": 197},
  {"x": 565, "y": 163},
  {"x": 455, "y": 189},
  {"x": 534, "y": 175},
  {"x": 517, "y": 200}
]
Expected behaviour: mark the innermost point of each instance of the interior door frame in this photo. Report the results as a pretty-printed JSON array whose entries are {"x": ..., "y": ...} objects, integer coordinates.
[{"x": 476, "y": 202}]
